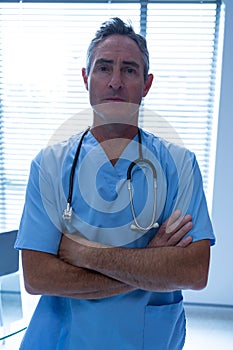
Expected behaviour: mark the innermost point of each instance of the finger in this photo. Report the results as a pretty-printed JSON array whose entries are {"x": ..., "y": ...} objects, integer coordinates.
[
  {"x": 185, "y": 242},
  {"x": 173, "y": 217},
  {"x": 177, "y": 236},
  {"x": 172, "y": 224},
  {"x": 176, "y": 225}
]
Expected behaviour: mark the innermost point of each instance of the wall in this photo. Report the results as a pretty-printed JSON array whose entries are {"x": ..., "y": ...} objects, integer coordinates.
[{"x": 220, "y": 286}]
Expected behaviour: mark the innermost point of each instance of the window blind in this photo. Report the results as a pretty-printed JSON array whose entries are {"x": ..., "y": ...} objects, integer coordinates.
[
  {"x": 183, "y": 38},
  {"x": 42, "y": 51}
]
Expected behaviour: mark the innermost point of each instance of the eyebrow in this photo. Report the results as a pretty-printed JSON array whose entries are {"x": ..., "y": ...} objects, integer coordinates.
[
  {"x": 103, "y": 60},
  {"x": 129, "y": 63}
]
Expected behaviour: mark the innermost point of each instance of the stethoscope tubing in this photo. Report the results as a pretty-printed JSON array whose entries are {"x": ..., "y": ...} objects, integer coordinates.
[
  {"x": 67, "y": 213},
  {"x": 72, "y": 172}
]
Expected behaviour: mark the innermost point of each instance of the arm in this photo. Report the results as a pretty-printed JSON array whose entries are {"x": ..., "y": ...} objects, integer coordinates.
[
  {"x": 174, "y": 259},
  {"x": 157, "y": 269},
  {"x": 47, "y": 274},
  {"x": 160, "y": 267}
]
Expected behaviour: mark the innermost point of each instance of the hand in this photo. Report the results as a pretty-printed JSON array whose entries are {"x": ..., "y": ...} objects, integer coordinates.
[{"x": 172, "y": 231}]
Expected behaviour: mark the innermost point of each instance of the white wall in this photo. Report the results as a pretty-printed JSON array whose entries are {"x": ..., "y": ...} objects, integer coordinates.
[{"x": 220, "y": 286}]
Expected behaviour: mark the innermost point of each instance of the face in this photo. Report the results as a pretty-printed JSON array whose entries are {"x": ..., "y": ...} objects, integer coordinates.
[{"x": 117, "y": 73}]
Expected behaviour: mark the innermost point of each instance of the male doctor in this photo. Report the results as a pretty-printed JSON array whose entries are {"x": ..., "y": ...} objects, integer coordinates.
[{"x": 110, "y": 280}]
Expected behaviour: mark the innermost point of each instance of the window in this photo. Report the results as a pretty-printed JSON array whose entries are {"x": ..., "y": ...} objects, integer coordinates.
[{"x": 42, "y": 51}]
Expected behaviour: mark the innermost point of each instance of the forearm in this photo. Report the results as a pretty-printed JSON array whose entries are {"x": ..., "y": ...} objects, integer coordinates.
[
  {"x": 46, "y": 274},
  {"x": 170, "y": 262},
  {"x": 157, "y": 269}
]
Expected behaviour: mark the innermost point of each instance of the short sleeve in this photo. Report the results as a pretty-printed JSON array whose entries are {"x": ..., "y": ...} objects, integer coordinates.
[
  {"x": 185, "y": 190},
  {"x": 36, "y": 231},
  {"x": 202, "y": 228}
]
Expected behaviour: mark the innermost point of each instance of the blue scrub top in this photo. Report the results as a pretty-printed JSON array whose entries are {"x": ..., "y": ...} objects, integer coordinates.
[{"x": 101, "y": 213}]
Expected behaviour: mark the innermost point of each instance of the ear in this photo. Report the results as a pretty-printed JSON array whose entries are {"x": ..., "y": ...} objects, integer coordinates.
[
  {"x": 85, "y": 77},
  {"x": 148, "y": 84}
]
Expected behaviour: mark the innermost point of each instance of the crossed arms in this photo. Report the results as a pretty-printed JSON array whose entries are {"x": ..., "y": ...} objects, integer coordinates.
[{"x": 89, "y": 271}]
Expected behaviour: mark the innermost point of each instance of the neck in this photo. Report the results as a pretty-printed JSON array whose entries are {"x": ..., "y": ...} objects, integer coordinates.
[
  {"x": 115, "y": 120},
  {"x": 114, "y": 131},
  {"x": 114, "y": 138}
]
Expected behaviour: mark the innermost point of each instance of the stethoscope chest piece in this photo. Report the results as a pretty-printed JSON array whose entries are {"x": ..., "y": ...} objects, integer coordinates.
[{"x": 67, "y": 213}]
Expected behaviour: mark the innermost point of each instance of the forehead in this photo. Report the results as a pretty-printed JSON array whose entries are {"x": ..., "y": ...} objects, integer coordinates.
[{"x": 118, "y": 47}]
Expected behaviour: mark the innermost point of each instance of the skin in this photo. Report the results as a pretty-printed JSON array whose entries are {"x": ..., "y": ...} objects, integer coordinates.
[
  {"x": 86, "y": 270},
  {"x": 116, "y": 79},
  {"x": 57, "y": 275},
  {"x": 116, "y": 73}
]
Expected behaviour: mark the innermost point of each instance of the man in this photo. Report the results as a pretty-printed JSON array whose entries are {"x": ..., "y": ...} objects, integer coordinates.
[{"x": 109, "y": 277}]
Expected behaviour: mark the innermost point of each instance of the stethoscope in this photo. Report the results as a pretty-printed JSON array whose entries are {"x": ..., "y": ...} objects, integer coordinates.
[{"x": 67, "y": 213}]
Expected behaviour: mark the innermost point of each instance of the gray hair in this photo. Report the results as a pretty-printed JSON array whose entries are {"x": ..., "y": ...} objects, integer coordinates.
[{"x": 117, "y": 26}]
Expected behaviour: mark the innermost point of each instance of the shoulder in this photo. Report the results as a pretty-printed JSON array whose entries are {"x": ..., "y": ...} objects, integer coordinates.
[
  {"x": 57, "y": 151},
  {"x": 167, "y": 149}
]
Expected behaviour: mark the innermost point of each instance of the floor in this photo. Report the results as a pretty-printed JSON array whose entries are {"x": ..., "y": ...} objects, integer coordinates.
[{"x": 207, "y": 328}]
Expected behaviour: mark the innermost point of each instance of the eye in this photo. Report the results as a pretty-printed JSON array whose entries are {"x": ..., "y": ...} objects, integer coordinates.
[
  {"x": 103, "y": 68},
  {"x": 130, "y": 71}
]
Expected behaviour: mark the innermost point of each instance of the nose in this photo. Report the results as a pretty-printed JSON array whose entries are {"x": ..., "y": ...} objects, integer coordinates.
[{"x": 116, "y": 82}]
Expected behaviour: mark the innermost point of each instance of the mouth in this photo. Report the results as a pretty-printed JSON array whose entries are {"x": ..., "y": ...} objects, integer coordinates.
[{"x": 114, "y": 99}]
